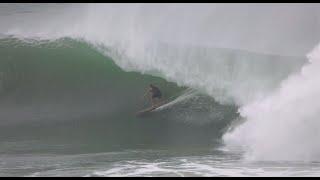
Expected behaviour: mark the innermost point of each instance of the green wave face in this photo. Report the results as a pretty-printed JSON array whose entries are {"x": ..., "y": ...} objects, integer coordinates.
[{"x": 65, "y": 91}]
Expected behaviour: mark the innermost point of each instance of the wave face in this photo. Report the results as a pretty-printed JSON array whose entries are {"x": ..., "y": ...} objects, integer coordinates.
[
  {"x": 66, "y": 91},
  {"x": 194, "y": 47},
  {"x": 236, "y": 55}
]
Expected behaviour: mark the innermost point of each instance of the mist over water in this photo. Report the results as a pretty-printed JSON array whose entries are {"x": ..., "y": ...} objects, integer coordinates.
[
  {"x": 284, "y": 125},
  {"x": 258, "y": 60}
]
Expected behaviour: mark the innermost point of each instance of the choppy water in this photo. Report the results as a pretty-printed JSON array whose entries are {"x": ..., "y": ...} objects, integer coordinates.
[{"x": 150, "y": 163}]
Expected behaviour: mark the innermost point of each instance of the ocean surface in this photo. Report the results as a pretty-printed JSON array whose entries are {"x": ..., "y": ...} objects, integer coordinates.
[{"x": 242, "y": 80}]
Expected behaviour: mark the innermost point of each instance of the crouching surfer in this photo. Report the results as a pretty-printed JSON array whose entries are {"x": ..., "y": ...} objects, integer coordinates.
[{"x": 154, "y": 94}]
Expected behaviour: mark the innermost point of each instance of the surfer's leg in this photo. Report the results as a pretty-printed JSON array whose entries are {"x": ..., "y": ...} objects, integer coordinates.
[
  {"x": 156, "y": 100},
  {"x": 153, "y": 101}
]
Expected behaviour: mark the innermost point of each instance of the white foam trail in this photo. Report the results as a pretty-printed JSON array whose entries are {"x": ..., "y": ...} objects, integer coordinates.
[
  {"x": 184, "y": 96},
  {"x": 285, "y": 125}
]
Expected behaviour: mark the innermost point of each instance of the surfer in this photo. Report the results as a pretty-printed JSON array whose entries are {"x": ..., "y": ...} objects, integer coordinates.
[{"x": 155, "y": 94}]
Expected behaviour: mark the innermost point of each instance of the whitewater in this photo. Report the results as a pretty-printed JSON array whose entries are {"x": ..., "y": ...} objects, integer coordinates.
[{"x": 244, "y": 77}]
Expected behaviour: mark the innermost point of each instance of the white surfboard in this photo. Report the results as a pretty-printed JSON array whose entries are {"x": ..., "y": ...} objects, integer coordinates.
[{"x": 151, "y": 109}]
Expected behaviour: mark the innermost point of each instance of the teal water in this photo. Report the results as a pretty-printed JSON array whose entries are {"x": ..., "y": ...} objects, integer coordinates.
[
  {"x": 63, "y": 99},
  {"x": 67, "y": 110}
]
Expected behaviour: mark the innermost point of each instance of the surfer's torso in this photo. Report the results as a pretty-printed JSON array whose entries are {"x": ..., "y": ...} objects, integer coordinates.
[{"x": 155, "y": 92}]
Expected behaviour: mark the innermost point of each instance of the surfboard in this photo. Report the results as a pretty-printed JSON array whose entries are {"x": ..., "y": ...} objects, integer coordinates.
[{"x": 150, "y": 109}]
